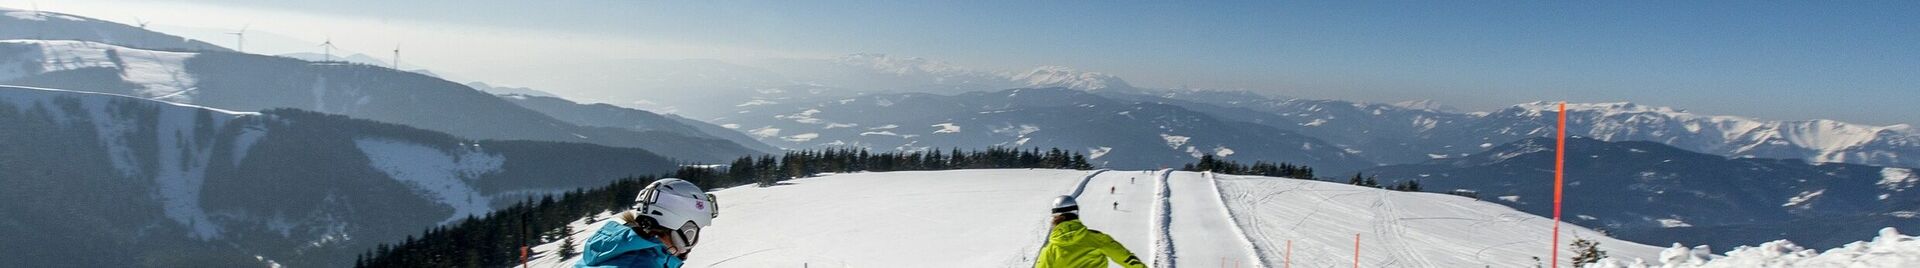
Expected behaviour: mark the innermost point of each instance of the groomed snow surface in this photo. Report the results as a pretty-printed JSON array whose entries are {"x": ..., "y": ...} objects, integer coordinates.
[{"x": 997, "y": 218}]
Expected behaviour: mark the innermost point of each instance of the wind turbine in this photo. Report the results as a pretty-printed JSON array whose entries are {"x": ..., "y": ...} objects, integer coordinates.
[
  {"x": 242, "y": 37},
  {"x": 141, "y": 23},
  {"x": 328, "y": 45},
  {"x": 396, "y": 56}
]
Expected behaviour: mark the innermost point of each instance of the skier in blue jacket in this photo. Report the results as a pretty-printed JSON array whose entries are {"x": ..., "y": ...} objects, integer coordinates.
[{"x": 659, "y": 231}]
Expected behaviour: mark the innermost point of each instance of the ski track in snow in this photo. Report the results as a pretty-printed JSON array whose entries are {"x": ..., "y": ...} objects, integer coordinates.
[
  {"x": 1163, "y": 250},
  {"x": 1125, "y": 211},
  {"x": 1200, "y": 226}
]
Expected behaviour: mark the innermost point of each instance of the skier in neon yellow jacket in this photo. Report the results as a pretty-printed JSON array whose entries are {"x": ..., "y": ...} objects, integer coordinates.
[{"x": 1072, "y": 245}]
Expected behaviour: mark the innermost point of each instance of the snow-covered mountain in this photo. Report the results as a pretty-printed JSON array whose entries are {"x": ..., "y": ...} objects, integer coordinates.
[
  {"x": 1065, "y": 77},
  {"x": 1813, "y": 140},
  {"x": 167, "y": 184},
  {"x": 1117, "y": 133},
  {"x": 253, "y": 82},
  {"x": 1382, "y": 133},
  {"x": 1655, "y": 193},
  {"x": 750, "y": 81},
  {"x": 998, "y": 218},
  {"x": 43, "y": 25},
  {"x": 1410, "y": 132}
]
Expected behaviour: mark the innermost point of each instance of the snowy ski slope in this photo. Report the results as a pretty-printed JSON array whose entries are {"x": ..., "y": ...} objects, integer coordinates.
[
  {"x": 1397, "y": 229},
  {"x": 998, "y": 218}
]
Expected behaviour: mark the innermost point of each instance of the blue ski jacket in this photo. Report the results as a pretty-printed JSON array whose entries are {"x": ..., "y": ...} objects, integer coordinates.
[{"x": 618, "y": 246}]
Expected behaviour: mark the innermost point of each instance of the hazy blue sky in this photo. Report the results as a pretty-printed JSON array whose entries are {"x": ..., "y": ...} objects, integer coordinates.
[{"x": 1854, "y": 60}]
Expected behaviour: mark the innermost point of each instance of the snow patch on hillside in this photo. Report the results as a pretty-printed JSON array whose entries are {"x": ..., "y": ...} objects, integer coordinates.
[
  {"x": 1019, "y": 131},
  {"x": 180, "y": 169},
  {"x": 1897, "y": 179},
  {"x": 803, "y": 117},
  {"x": 162, "y": 75},
  {"x": 1174, "y": 141},
  {"x": 1097, "y": 152},
  {"x": 946, "y": 128},
  {"x": 1673, "y": 223},
  {"x": 755, "y": 103},
  {"x": 1803, "y": 197},
  {"x": 764, "y": 132},
  {"x": 802, "y": 137},
  {"x": 439, "y": 175}
]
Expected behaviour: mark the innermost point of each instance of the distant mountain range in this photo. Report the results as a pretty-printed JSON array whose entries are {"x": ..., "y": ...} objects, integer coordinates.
[
  {"x": 610, "y": 116},
  {"x": 1117, "y": 133},
  {"x": 166, "y": 184},
  {"x": 1402, "y": 132},
  {"x": 1655, "y": 193},
  {"x": 155, "y": 159},
  {"x": 1395, "y": 133}
]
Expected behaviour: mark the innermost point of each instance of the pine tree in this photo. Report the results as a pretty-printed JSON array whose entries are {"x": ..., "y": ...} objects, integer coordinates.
[
  {"x": 567, "y": 248},
  {"x": 1587, "y": 252}
]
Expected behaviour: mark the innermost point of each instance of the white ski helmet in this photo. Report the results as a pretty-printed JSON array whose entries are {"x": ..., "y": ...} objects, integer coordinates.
[
  {"x": 678, "y": 205},
  {"x": 1065, "y": 204}
]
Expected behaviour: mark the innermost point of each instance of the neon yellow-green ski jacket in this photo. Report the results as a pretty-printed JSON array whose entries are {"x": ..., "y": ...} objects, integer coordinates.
[{"x": 1072, "y": 245}]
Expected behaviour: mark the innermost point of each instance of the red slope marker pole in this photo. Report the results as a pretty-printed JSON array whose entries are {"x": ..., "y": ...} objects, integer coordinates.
[
  {"x": 1559, "y": 179},
  {"x": 1356, "y": 250},
  {"x": 1288, "y": 262}
]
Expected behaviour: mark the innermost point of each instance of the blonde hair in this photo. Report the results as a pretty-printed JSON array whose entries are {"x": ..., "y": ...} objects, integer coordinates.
[{"x": 628, "y": 217}]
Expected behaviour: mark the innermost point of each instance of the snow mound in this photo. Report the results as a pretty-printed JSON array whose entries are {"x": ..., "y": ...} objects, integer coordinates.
[{"x": 1890, "y": 249}]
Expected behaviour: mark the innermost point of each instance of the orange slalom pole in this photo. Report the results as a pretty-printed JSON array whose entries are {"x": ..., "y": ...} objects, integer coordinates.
[
  {"x": 1559, "y": 179},
  {"x": 1356, "y": 250}
]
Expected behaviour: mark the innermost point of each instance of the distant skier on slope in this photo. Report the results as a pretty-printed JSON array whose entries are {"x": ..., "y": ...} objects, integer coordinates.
[
  {"x": 1072, "y": 245},
  {"x": 659, "y": 231}
]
